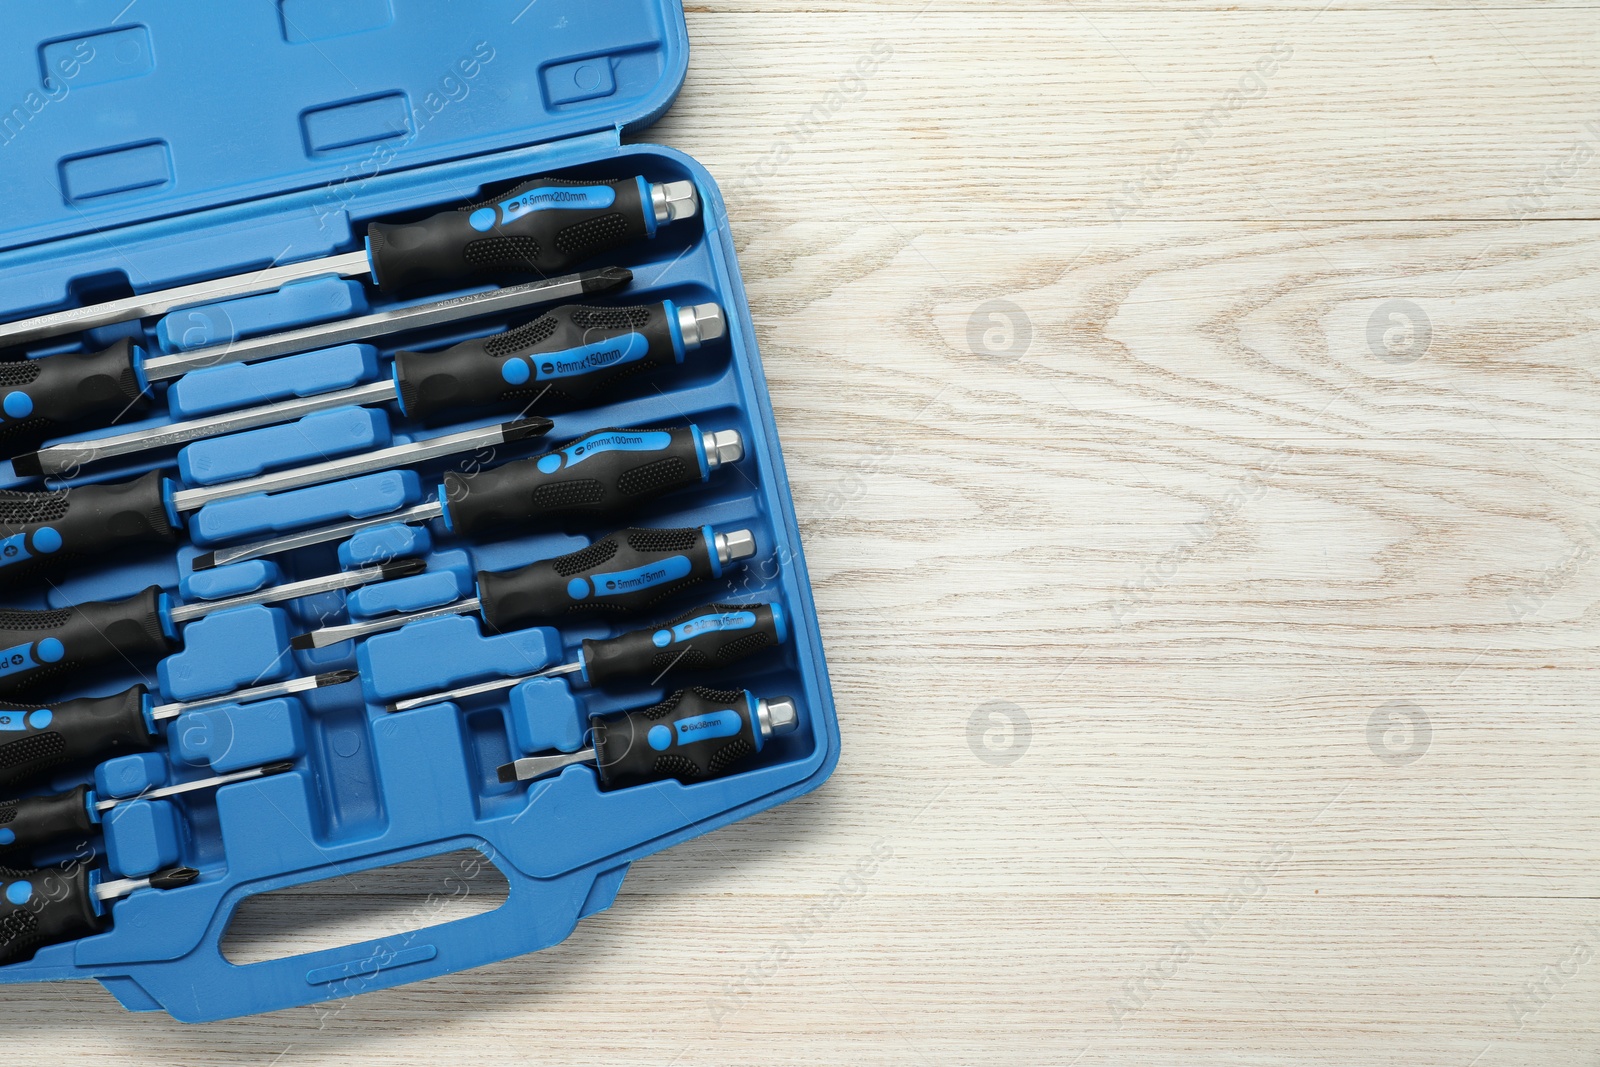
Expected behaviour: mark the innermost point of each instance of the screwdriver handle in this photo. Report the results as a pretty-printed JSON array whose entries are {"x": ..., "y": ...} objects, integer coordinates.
[
  {"x": 540, "y": 227},
  {"x": 35, "y": 739},
  {"x": 56, "y": 395},
  {"x": 34, "y": 821},
  {"x": 705, "y": 638},
  {"x": 693, "y": 734},
  {"x": 598, "y": 477},
  {"x": 39, "y": 646},
  {"x": 560, "y": 360},
  {"x": 623, "y": 573},
  {"x": 40, "y": 532},
  {"x": 45, "y": 907}
]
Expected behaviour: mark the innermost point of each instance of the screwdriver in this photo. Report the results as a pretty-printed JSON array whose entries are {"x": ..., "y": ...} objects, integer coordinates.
[
  {"x": 621, "y": 574},
  {"x": 707, "y": 637},
  {"x": 47, "y": 530},
  {"x": 541, "y": 227},
  {"x": 53, "y": 396},
  {"x": 33, "y": 821},
  {"x": 44, "y": 645},
  {"x": 597, "y": 477},
  {"x": 47, "y": 907},
  {"x": 562, "y": 359},
  {"x": 93, "y": 729},
  {"x": 692, "y": 735}
]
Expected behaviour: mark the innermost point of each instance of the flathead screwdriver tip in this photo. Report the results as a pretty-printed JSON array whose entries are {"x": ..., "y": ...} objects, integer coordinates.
[
  {"x": 507, "y": 773},
  {"x": 605, "y": 279},
  {"x": 204, "y": 561},
  {"x": 303, "y": 642},
  {"x": 403, "y": 568},
  {"x": 27, "y": 465}
]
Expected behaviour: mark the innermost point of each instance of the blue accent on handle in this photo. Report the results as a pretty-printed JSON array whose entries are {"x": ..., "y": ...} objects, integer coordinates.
[
  {"x": 46, "y": 540},
  {"x": 611, "y": 441},
  {"x": 647, "y": 206},
  {"x": 705, "y": 624},
  {"x": 482, "y": 219},
  {"x": 399, "y": 393},
  {"x": 619, "y": 583},
  {"x": 19, "y": 892},
  {"x": 551, "y": 198},
  {"x": 660, "y": 737},
  {"x": 164, "y": 613},
  {"x": 6, "y": 836},
  {"x": 570, "y": 362},
  {"x": 38, "y": 720},
  {"x": 174, "y": 518},
  {"x": 372, "y": 265},
  {"x": 136, "y": 357},
  {"x": 702, "y": 727},
  {"x": 13, "y": 720},
  {"x": 699, "y": 440},
  {"x": 674, "y": 329},
  {"x": 711, "y": 550},
  {"x": 780, "y": 623},
  {"x": 751, "y": 701},
  {"x": 18, "y": 405},
  {"x": 21, "y": 547},
  {"x": 51, "y": 650}
]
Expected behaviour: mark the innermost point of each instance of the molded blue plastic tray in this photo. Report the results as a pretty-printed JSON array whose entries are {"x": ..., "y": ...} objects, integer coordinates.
[{"x": 186, "y": 142}]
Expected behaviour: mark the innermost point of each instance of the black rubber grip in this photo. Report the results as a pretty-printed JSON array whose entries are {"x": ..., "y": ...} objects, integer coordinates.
[
  {"x": 40, "y": 533},
  {"x": 621, "y": 574},
  {"x": 703, "y": 639},
  {"x": 56, "y": 395},
  {"x": 36, "y": 739},
  {"x": 597, "y": 478},
  {"x": 561, "y": 360},
  {"x": 39, "y": 647},
  {"x": 55, "y": 817},
  {"x": 543, "y": 227},
  {"x": 693, "y": 734},
  {"x": 44, "y": 907}
]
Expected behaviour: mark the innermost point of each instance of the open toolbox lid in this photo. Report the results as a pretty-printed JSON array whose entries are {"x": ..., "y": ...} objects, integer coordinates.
[{"x": 112, "y": 114}]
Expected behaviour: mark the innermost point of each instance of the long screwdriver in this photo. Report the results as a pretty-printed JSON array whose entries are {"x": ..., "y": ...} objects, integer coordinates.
[
  {"x": 561, "y": 360},
  {"x": 43, "y": 738},
  {"x": 542, "y": 226},
  {"x": 45, "y": 531},
  {"x": 53, "y": 396},
  {"x": 598, "y": 477},
  {"x": 692, "y": 735},
  {"x": 47, "y": 907},
  {"x": 45, "y": 645},
  {"x": 33, "y": 821},
  {"x": 622, "y": 574},
  {"x": 703, "y": 639}
]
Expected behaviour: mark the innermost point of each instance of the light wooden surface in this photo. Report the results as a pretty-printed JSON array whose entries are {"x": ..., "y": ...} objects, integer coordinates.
[{"x": 1213, "y": 639}]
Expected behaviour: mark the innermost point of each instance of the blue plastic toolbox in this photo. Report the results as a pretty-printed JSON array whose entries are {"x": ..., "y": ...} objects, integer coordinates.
[{"x": 172, "y": 142}]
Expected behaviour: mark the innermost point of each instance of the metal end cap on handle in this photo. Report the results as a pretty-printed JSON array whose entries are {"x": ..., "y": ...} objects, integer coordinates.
[
  {"x": 734, "y": 546},
  {"x": 701, "y": 324},
  {"x": 675, "y": 201},
  {"x": 722, "y": 447},
  {"x": 778, "y": 716}
]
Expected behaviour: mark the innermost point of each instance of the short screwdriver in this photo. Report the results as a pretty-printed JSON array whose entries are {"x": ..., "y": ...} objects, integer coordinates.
[
  {"x": 541, "y": 227},
  {"x": 706, "y": 638},
  {"x": 561, "y": 360},
  {"x": 600, "y": 476},
  {"x": 34, "y": 821},
  {"x": 692, "y": 735},
  {"x": 44, "y": 645},
  {"x": 47, "y": 907},
  {"x": 624, "y": 573},
  {"x": 47, "y": 531},
  {"x": 43, "y": 738},
  {"x": 53, "y": 396}
]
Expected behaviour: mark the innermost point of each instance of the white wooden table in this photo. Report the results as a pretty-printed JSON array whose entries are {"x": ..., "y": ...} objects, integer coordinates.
[{"x": 1191, "y": 409}]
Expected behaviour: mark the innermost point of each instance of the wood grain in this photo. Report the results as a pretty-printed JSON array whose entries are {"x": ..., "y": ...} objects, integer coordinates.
[{"x": 1210, "y": 591}]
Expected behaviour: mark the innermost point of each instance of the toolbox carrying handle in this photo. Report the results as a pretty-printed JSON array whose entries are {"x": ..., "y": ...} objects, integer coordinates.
[{"x": 203, "y": 986}]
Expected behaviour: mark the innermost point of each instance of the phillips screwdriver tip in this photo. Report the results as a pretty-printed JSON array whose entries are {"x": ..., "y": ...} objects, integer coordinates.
[
  {"x": 173, "y": 877},
  {"x": 27, "y": 465},
  {"x": 281, "y": 767},
  {"x": 523, "y": 429},
  {"x": 336, "y": 678}
]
